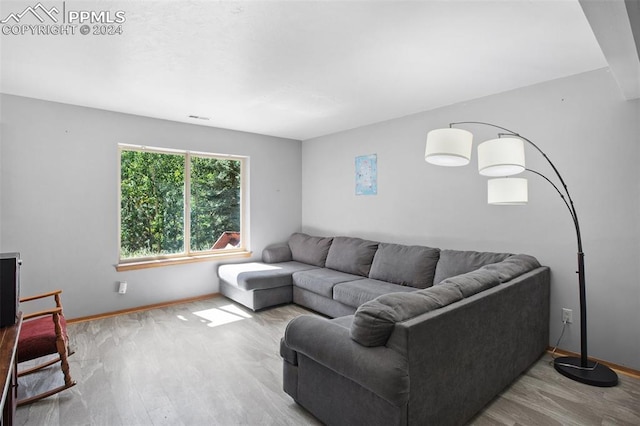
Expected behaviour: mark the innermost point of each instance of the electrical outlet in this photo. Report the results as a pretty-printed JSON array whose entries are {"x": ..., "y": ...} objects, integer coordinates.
[
  {"x": 122, "y": 288},
  {"x": 567, "y": 315}
]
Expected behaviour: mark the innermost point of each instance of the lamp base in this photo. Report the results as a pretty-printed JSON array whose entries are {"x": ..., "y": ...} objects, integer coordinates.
[{"x": 595, "y": 374}]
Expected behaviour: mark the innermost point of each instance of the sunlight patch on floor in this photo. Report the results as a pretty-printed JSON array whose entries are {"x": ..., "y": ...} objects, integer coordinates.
[{"x": 222, "y": 315}]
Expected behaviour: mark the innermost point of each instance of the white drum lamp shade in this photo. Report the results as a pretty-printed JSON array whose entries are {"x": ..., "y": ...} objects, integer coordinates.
[
  {"x": 501, "y": 157},
  {"x": 448, "y": 147},
  {"x": 507, "y": 191}
]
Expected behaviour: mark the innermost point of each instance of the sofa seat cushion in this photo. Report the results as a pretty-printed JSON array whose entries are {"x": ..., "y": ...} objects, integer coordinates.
[
  {"x": 413, "y": 266},
  {"x": 307, "y": 249},
  {"x": 322, "y": 280},
  {"x": 257, "y": 275},
  {"x": 355, "y": 293},
  {"x": 456, "y": 262},
  {"x": 351, "y": 255}
]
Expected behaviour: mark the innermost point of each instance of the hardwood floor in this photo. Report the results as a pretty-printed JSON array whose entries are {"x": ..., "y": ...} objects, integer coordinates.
[
  {"x": 212, "y": 362},
  {"x": 544, "y": 397}
]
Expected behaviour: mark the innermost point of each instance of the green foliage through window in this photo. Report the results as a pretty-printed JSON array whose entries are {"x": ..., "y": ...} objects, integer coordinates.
[
  {"x": 153, "y": 205},
  {"x": 215, "y": 200}
]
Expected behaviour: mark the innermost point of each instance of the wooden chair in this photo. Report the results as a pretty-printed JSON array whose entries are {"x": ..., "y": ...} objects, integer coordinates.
[{"x": 44, "y": 333}]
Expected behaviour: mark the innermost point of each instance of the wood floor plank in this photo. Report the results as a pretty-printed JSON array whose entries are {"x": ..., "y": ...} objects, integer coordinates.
[{"x": 213, "y": 362}]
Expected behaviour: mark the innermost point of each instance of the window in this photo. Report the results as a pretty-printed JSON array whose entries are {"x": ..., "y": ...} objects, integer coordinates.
[{"x": 177, "y": 204}]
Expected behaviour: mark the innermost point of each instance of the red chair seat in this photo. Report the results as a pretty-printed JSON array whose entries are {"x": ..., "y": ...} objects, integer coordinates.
[{"x": 38, "y": 338}]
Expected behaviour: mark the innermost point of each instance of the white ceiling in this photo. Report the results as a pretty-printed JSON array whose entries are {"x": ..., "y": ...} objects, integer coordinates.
[{"x": 300, "y": 69}]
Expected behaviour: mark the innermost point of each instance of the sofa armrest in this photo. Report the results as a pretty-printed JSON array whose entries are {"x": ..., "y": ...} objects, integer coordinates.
[
  {"x": 381, "y": 370},
  {"x": 276, "y": 253}
]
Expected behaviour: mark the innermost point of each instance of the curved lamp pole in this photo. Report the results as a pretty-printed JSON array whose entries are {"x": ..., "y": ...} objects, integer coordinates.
[{"x": 453, "y": 147}]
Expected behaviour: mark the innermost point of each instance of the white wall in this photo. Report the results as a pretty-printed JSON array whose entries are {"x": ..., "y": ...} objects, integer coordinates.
[
  {"x": 59, "y": 200},
  {"x": 588, "y": 131}
]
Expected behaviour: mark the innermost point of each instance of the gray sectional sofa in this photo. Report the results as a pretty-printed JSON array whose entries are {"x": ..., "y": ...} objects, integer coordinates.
[
  {"x": 333, "y": 276},
  {"x": 416, "y": 335}
]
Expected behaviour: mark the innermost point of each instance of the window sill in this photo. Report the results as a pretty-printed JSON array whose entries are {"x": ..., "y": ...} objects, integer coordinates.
[{"x": 157, "y": 263}]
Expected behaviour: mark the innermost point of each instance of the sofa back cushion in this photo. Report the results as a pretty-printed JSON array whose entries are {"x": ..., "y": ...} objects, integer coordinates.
[
  {"x": 351, "y": 255},
  {"x": 472, "y": 282},
  {"x": 413, "y": 266},
  {"x": 374, "y": 321},
  {"x": 456, "y": 262},
  {"x": 513, "y": 266},
  {"x": 308, "y": 249}
]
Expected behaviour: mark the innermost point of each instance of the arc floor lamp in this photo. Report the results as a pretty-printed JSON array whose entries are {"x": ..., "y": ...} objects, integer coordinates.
[{"x": 501, "y": 158}]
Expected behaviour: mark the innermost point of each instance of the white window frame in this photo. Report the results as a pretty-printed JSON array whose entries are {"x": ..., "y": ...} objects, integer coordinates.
[{"x": 187, "y": 256}]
